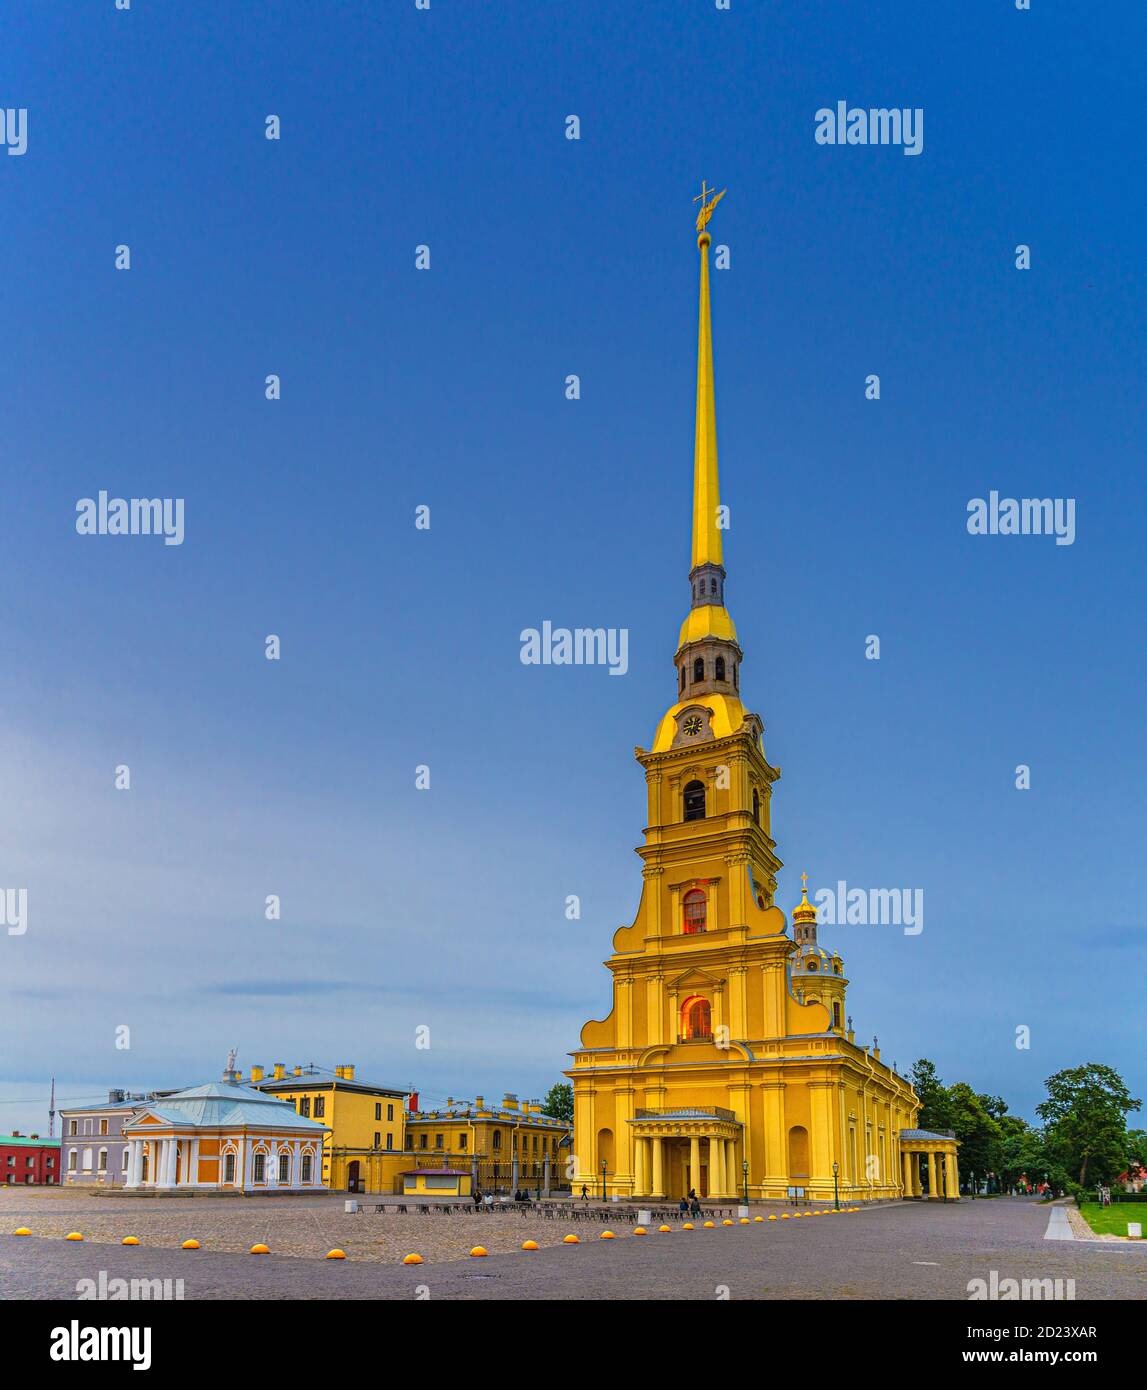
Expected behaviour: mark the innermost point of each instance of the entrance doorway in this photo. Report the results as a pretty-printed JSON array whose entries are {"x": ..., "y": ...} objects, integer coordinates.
[{"x": 352, "y": 1178}]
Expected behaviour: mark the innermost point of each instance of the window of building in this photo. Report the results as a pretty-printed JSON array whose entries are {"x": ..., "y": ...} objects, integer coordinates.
[
  {"x": 836, "y": 1015},
  {"x": 462, "y": 1142},
  {"x": 87, "y": 1161},
  {"x": 260, "y": 1167},
  {"x": 439, "y": 1141},
  {"x": 696, "y": 1019},
  {"x": 719, "y": 668},
  {"x": 72, "y": 1158},
  {"x": 423, "y": 1140},
  {"x": 103, "y": 1126},
  {"x": 228, "y": 1168},
  {"x": 683, "y": 670},
  {"x": 308, "y": 1168},
  {"x": 305, "y": 1105},
  {"x": 694, "y": 801},
  {"x": 377, "y": 1138},
  {"x": 320, "y": 1107},
  {"x": 284, "y": 1167},
  {"x": 378, "y": 1112},
  {"x": 50, "y": 1161},
  {"x": 87, "y": 1126},
  {"x": 699, "y": 669},
  {"x": 497, "y": 1139},
  {"x": 694, "y": 908},
  {"x": 390, "y": 1141},
  {"x": 103, "y": 1161},
  {"x": 756, "y": 805},
  {"x": 390, "y": 1112},
  {"x": 73, "y": 1127}
]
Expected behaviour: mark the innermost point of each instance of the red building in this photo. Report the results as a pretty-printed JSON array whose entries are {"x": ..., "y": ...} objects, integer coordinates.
[{"x": 26, "y": 1159}]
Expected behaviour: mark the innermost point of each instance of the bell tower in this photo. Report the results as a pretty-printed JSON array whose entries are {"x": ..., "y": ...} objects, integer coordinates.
[{"x": 721, "y": 1066}]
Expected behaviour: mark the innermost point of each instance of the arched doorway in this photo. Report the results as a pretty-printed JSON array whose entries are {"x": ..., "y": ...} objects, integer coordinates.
[
  {"x": 798, "y": 1156},
  {"x": 352, "y": 1176}
]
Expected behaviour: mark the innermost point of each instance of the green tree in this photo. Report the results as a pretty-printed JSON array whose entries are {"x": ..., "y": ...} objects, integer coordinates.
[
  {"x": 558, "y": 1102},
  {"x": 980, "y": 1136},
  {"x": 1086, "y": 1117},
  {"x": 935, "y": 1106}
]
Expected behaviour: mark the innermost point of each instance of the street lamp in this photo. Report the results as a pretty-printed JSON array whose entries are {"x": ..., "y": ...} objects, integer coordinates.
[
  {"x": 836, "y": 1185},
  {"x": 603, "y": 1168},
  {"x": 745, "y": 1169}
]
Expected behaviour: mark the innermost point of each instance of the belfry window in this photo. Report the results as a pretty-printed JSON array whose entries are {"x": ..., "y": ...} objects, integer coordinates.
[
  {"x": 699, "y": 669},
  {"x": 696, "y": 1019},
  {"x": 694, "y": 801},
  {"x": 683, "y": 678},
  {"x": 836, "y": 1015},
  {"x": 693, "y": 920},
  {"x": 712, "y": 586},
  {"x": 756, "y": 806},
  {"x": 720, "y": 668}
]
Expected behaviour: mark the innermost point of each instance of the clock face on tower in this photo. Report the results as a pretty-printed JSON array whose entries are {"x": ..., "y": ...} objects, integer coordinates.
[{"x": 692, "y": 725}]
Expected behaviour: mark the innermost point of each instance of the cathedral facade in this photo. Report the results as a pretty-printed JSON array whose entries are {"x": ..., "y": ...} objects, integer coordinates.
[{"x": 727, "y": 1063}]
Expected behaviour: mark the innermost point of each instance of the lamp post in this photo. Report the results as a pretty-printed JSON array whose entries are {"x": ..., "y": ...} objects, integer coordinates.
[
  {"x": 745, "y": 1170},
  {"x": 603, "y": 1169},
  {"x": 835, "y": 1185}
]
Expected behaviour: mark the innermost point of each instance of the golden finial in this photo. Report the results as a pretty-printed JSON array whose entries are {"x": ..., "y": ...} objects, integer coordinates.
[
  {"x": 804, "y": 883},
  {"x": 708, "y": 200}
]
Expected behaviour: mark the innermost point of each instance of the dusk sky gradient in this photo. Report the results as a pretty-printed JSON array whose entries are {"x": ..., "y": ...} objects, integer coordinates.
[{"x": 445, "y": 907}]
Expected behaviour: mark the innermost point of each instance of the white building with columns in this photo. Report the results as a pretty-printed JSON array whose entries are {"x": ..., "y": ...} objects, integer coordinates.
[{"x": 223, "y": 1137}]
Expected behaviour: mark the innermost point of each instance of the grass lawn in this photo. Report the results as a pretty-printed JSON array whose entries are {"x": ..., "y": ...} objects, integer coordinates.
[{"x": 1112, "y": 1220}]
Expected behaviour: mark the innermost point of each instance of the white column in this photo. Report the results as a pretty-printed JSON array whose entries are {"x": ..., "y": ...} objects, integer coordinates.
[
  {"x": 193, "y": 1164},
  {"x": 273, "y": 1164},
  {"x": 133, "y": 1148}
]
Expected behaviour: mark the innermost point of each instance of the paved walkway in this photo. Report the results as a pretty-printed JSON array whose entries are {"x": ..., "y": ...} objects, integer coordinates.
[{"x": 912, "y": 1250}]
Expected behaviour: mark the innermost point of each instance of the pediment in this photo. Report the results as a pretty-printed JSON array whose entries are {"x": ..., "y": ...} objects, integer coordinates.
[{"x": 695, "y": 978}]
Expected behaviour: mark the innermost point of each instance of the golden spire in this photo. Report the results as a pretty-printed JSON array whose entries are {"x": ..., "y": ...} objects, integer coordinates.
[{"x": 706, "y": 533}]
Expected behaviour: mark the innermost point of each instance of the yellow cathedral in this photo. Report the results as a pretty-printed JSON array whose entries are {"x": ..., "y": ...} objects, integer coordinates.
[{"x": 727, "y": 1064}]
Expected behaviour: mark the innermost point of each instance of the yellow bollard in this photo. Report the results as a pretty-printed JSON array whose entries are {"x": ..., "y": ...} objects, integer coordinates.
[
  {"x": 129, "y": 1240},
  {"x": 21, "y": 1231},
  {"x": 640, "y": 1231},
  {"x": 726, "y": 1222},
  {"x": 665, "y": 1230},
  {"x": 73, "y": 1235},
  {"x": 336, "y": 1254},
  {"x": 571, "y": 1239},
  {"x": 529, "y": 1245},
  {"x": 187, "y": 1244},
  {"x": 607, "y": 1235},
  {"x": 479, "y": 1252},
  {"x": 688, "y": 1226},
  {"x": 412, "y": 1259},
  {"x": 260, "y": 1250}
]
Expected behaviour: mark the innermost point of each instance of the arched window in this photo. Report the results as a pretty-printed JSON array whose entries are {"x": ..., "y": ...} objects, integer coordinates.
[
  {"x": 694, "y": 801},
  {"x": 683, "y": 678},
  {"x": 736, "y": 686},
  {"x": 713, "y": 585},
  {"x": 284, "y": 1166},
  {"x": 756, "y": 805},
  {"x": 308, "y": 1167},
  {"x": 694, "y": 917},
  {"x": 720, "y": 668},
  {"x": 696, "y": 1019},
  {"x": 836, "y": 1015},
  {"x": 699, "y": 669}
]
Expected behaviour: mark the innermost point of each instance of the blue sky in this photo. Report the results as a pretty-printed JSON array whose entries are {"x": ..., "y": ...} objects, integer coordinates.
[{"x": 445, "y": 908}]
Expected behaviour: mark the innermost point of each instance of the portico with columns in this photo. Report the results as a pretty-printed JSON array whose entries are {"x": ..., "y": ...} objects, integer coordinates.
[
  {"x": 920, "y": 1147},
  {"x": 691, "y": 1149}
]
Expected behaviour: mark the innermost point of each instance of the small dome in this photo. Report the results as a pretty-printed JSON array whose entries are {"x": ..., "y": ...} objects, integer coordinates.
[{"x": 804, "y": 910}]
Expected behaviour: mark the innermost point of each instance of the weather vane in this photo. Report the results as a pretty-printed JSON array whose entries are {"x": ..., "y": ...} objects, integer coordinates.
[{"x": 707, "y": 206}]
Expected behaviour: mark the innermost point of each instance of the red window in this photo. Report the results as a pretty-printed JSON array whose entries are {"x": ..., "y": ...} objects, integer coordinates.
[
  {"x": 697, "y": 1019},
  {"x": 694, "y": 912}
]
